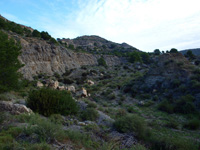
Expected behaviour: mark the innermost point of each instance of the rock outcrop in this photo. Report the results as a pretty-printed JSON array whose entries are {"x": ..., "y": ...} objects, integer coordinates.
[
  {"x": 41, "y": 57},
  {"x": 14, "y": 108}
]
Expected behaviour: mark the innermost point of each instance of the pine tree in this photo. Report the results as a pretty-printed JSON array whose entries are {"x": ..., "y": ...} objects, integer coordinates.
[{"x": 9, "y": 63}]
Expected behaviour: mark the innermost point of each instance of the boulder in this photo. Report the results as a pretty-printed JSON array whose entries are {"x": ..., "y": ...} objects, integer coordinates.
[
  {"x": 61, "y": 87},
  {"x": 71, "y": 89},
  {"x": 39, "y": 84},
  {"x": 81, "y": 123},
  {"x": 54, "y": 84},
  {"x": 84, "y": 92},
  {"x": 90, "y": 82},
  {"x": 14, "y": 108}
]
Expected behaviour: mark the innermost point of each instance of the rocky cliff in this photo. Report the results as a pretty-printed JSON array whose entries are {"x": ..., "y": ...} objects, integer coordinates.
[{"x": 39, "y": 56}]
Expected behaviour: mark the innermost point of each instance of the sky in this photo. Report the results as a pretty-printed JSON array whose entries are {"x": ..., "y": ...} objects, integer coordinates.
[{"x": 144, "y": 24}]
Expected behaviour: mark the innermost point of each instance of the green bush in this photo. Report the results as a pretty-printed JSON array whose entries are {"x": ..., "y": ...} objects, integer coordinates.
[
  {"x": 47, "y": 101},
  {"x": 36, "y": 33},
  {"x": 39, "y": 146},
  {"x": 166, "y": 106},
  {"x": 90, "y": 114},
  {"x": 132, "y": 123},
  {"x": 166, "y": 142},
  {"x": 92, "y": 105},
  {"x": 45, "y": 129},
  {"x": 185, "y": 107},
  {"x": 57, "y": 119},
  {"x": 193, "y": 124},
  {"x": 172, "y": 124},
  {"x": 102, "y": 62}
]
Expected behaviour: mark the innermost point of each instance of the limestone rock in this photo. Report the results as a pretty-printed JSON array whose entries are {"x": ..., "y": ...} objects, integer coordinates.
[
  {"x": 54, "y": 84},
  {"x": 71, "y": 89},
  {"x": 39, "y": 56},
  {"x": 39, "y": 84},
  {"x": 14, "y": 108},
  {"x": 81, "y": 123},
  {"x": 90, "y": 82},
  {"x": 84, "y": 92},
  {"x": 61, "y": 87}
]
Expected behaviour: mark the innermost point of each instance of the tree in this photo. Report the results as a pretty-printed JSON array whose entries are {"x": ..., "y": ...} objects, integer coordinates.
[
  {"x": 9, "y": 63},
  {"x": 173, "y": 50},
  {"x": 135, "y": 57},
  {"x": 36, "y": 33},
  {"x": 157, "y": 52},
  {"x": 45, "y": 35},
  {"x": 102, "y": 62},
  {"x": 145, "y": 57},
  {"x": 190, "y": 55}
]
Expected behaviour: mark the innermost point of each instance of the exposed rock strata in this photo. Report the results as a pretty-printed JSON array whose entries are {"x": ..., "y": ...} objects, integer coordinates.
[{"x": 42, "y": 57}]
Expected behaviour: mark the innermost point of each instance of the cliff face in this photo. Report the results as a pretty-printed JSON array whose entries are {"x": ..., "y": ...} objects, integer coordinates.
[{"x": 38, "y": 56}]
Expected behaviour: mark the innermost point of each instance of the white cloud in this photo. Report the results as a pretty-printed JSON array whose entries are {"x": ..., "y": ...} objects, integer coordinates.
[{"x": 145, "y": 24}]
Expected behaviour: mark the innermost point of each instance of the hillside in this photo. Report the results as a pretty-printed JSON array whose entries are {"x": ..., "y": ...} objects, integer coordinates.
[
  {"x": 89, "y": 93},
  {"x": 194, "y": 51},
  {"x": 96, "y": 44}
]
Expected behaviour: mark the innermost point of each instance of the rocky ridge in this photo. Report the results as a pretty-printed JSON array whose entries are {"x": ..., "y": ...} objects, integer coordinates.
[
  {"x": 39, "y": 56},
  {"x": 96, "y": 44}
]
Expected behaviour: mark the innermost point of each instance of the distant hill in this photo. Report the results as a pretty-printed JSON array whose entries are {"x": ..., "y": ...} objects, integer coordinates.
[
  {"x": 195, "y": 51},
  {"x": 96, "y": 44}
]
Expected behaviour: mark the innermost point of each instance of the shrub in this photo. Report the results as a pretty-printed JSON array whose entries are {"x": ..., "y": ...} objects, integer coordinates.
[
  {"x": 185, "y": 106},
  {"x": 57, "y": 119},
  {"x": 112, "y": 96},
  {"x": 172, "y": 124},
  {"x": 135, "y": 57},
  {"x": 120, "y": 113},
  {"x": 36, "y": 33},
  {"x": 90, "y": 114},
  {"x": 131, "y": 123},
  {"x": 67, "y": 81},
  {"x": 43, "y": 128},
  {"x": 166, "y": 106},
  {"x": 92, "y": 105},
  {"x": 166, "y": 142},
  {"x": 102, "y": 62},
  {"x": 48, "y": 101},
  {"x": 131, "y": 109},
  {"x": 39, "y": 146},
  {"x": 193, "y": 124}
]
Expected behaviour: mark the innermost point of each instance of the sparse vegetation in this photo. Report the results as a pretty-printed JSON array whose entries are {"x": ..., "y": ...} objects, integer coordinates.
[
  {"x": 49, "y": 101},
  {"x": 132, "y": 123},
  {"x": 90, "y": 114},
  {"x": 149, "y": 101}
]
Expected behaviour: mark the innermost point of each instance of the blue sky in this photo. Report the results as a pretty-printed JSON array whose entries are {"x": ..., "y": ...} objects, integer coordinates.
[{"x": 144, "y": 24}]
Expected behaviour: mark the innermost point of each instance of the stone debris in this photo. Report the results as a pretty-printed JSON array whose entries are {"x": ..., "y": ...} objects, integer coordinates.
[
  {"x": 84, "y": 93},
  {"x": 90, "y": 82},
  {"x": 61, "y": 88},
  {"x": 14, "y": 108},
  {"x": 71, "y": 88},
  {"x": 39, "y": 84}
]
